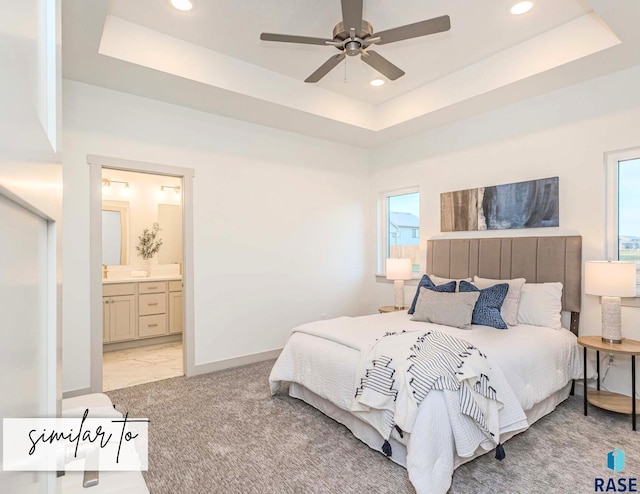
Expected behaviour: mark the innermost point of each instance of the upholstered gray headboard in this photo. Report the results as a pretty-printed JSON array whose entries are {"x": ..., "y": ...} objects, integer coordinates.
[{"x": 537, "y": 259}]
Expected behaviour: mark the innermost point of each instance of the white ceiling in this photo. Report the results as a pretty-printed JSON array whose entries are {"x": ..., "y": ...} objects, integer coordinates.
[
  {"x": 212, "y": 58},
  {"x": 233, "y": 28}
]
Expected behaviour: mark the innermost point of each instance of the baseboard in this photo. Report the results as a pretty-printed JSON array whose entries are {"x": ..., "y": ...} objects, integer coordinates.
[
  {"x": 236, "y": 361},
  {"x": 125, "y": 345},
  {"x": 76, "y": 392}
]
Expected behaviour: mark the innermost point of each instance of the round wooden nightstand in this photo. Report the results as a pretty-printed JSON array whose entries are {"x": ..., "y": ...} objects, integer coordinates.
[
  {"x": 614, "y": 402},
  {"x": 391, "y": 308}
]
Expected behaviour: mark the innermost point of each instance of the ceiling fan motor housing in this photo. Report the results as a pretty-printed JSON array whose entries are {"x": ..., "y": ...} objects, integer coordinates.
[{"x": 354, "y": 43}]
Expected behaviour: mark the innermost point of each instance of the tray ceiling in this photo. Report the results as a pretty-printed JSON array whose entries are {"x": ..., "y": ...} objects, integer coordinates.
[{"x": 212, "y": 59}]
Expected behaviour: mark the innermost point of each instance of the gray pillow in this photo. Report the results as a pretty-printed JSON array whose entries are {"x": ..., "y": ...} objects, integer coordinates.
[{"x": 449, "y": 309}]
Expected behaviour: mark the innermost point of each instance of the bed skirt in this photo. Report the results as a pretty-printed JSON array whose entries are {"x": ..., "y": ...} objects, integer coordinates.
[{"x": 368, "y": 435}]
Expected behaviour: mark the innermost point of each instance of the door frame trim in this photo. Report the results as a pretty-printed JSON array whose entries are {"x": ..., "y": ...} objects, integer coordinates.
[{"x": 96, "y": 164}]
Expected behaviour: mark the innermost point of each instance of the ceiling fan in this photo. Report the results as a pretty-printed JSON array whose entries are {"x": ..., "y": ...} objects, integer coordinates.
[{"x": 353, "y": 36}]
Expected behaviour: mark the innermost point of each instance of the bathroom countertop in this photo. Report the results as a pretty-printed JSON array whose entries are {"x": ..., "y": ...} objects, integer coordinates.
[{"x": 110, "y": 281}]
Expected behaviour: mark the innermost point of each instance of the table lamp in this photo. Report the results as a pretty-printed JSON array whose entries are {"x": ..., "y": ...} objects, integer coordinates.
[
  {"x": 399, "y": 270},
  {"x": 611, "y": 280}
]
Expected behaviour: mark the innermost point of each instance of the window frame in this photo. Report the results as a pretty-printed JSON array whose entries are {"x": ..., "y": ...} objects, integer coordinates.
[
  {"x": 612, "y": 241},
  {"x": 383, "y": 200}
]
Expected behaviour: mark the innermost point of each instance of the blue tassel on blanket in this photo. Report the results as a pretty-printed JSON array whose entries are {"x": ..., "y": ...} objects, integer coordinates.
[
  {"x": 500, "y": 454},
  {"x": 399, "y": 431},
  {"x": 386, "y": 448}
]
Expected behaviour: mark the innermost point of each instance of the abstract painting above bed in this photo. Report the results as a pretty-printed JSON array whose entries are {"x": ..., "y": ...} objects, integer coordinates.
[{"x": 530, "y": 204}]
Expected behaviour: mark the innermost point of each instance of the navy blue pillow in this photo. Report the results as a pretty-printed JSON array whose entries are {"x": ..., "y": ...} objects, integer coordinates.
[
  {"x": 487, "y": 309},
  {"x": 426, "y": 282}
]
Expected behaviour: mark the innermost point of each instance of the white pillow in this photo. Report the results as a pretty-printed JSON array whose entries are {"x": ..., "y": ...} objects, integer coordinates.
[
  {"x": 509, "y": 309},
  {"x": 441, "y": 281},
  {"x": 541, "y": 305}
]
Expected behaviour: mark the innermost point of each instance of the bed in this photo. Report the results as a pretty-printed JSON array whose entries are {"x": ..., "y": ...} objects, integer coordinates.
[{"x": 534, "y": 366}]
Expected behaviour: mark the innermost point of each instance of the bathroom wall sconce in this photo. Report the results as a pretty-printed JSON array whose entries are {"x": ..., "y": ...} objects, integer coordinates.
[
  {"x": 106, "y": 183},
  {"x": 176, "y": 188}
]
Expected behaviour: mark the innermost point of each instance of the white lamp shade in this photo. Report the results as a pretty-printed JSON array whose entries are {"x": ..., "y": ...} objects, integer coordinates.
[
  {"x": 610, "y": 278},
  {"x": 399, "y": 269}
]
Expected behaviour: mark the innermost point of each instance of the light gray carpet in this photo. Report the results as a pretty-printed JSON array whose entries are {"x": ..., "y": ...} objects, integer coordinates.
[{"x": 224, "y": 433}]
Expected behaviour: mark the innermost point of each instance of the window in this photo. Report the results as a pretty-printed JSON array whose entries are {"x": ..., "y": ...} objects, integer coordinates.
[
  {"x": 623, "y": 206},
  {"x": 400, "y": 226}
]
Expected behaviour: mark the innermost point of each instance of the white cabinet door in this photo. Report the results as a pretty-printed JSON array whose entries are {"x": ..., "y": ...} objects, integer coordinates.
[
  {"x": 27, "y": 335},
  {"x": 176, "y": 313},
  {"x": 122, "y": 318}
]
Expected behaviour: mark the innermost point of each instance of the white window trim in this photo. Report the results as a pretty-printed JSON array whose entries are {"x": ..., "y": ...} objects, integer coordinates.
[
  {"x": 612, "y": 159},
  {"x": 382, "y": 229}
]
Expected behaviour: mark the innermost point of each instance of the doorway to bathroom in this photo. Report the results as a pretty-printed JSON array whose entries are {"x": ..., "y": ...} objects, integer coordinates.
[
  {"x": 141, "y": 219},
  {"x": 141, "y": 278}
]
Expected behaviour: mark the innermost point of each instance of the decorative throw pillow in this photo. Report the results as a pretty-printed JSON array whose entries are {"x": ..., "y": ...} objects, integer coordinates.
[
  {"x": 487, "y": 310},
  {"x": 425, "y": 282},
  {"x": 439, "y": 281},
  {"x": 541, "y": 305},
  {"x": 509, "y": 311},
  {"x": 450, "y": 309}
]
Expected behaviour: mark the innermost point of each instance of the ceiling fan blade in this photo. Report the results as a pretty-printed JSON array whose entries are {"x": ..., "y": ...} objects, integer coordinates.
[
  {"x": 382, "y": 65},
  {"x": 422, "y": 28},
  {"x": 325, "y": 68},
  {"x": 352, "y": 15},
  {"x": 287, "y": 38}
]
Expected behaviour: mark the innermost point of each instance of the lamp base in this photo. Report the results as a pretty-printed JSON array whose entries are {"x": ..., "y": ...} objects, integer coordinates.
[
  {"x": 612, "y": 342},
  {"x": 398, "y": 294},
  {"x": 611, "y": 320}
]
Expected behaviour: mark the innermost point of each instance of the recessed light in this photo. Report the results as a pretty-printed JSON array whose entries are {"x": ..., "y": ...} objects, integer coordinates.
[
  {"x": 377, "y": 82},
  {"x": 522, "y": 7},
  {"x": 183, "y": 5}
]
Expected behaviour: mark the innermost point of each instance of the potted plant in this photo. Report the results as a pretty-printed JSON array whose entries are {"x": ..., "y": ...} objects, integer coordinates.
[{"x": 149, "y": 245}]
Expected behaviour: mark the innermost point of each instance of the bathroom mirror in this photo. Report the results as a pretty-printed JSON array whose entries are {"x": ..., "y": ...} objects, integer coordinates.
[
  {"x": 115, "y": 233},
  {"x": 170, "y": 221}
]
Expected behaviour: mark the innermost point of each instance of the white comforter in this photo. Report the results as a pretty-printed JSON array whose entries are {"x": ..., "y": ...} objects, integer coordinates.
[{"x": 534, "y": 362}]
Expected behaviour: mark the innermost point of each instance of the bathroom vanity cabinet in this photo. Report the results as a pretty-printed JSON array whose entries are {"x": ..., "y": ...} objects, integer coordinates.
[{"x": 145, "y": 308}]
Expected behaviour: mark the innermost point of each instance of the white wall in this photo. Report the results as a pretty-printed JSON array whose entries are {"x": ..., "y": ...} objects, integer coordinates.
[
  {"x": 280, "y": 220},
  {"x": 28, "y": 165},
  {"x": 563, "y": 134},
  {"x": 27, "y": 169},
  {"x": 27, "y": 161}
]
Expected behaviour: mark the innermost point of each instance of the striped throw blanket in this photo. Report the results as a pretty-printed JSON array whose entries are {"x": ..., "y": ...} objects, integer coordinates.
[{"x": 401, "y": 369}]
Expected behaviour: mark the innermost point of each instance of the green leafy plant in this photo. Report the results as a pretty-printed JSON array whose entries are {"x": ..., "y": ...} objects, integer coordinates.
[{"x": 149, "y": 244}]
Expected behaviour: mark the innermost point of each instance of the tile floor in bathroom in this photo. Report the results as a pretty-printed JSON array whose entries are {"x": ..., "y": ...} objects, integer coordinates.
[{"x": 124, "y": 368}]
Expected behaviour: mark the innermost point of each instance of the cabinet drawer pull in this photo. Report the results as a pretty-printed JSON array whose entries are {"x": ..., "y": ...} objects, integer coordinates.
[
  {"x": 154, "y": 303},
  {"x": 152, "y": 326},
  {"x": 152, "y": 288}
]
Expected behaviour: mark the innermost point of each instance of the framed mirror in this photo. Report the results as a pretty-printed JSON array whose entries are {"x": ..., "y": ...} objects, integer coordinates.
[
  {"x": 115, "y": 233},
  {"x": 170, "y": 220}
]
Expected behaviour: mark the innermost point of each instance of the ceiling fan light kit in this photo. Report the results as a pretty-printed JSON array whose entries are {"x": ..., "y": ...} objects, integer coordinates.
[{"x": 353, "y": 36}]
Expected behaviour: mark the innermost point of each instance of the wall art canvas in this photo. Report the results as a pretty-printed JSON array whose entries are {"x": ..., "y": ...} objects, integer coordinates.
[{"x": 531, "y": 204}]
